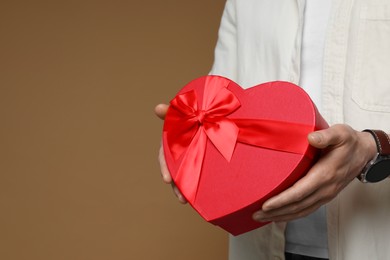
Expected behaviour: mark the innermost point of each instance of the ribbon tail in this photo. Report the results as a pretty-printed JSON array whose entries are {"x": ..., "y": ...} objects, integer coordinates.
[
  {"x": 223, "y": 134},
  {"x": 189, "y": 172}
]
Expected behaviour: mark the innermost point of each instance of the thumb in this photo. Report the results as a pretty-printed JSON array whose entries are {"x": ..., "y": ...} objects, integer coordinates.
[
  {"x": 161, "y": 110},
  {"x": 324, "y": 138}
]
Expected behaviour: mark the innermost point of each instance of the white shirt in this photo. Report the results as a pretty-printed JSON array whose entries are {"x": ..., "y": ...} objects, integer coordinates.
[{"x": 308, "y": 236}]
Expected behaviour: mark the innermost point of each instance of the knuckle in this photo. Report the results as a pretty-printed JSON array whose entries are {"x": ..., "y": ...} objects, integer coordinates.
[
  {"x": 331, "y": 180},
  {"x": 327, "y": 176},
  {"x": 327, "y": 198},
  {"x": 303, "y": 214},
  {"x": 330, "y": 193},
  {"x": 295, "y": 208},
  {"x": 348, "y": 134},
  {"x": 299, "y": 196}
]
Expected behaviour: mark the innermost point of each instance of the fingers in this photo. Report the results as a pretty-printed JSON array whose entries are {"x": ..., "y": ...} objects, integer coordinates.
[
  {"x": 318, "y": 186},
  {"x": 296, "y": 193},
  {"x": 161, "y": 110},
  {"x": 163, "y": 166},
  {"x": 167, "y": 176},
  {"x": 178, "y": 194},
  {"x": 297, "y": 208},
  {"x": 286, "y": 215},
  {"x": 306, "y": 186}
]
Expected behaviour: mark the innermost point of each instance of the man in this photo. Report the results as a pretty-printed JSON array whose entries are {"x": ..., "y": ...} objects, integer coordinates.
[{"x": 266, "y": 40}]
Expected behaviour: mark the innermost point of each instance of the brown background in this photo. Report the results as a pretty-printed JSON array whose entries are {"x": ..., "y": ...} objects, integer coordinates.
[{"x": 79, "y": 177}]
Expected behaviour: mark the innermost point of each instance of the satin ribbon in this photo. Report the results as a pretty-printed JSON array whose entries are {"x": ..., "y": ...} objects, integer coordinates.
[{"x": 188, "y": 128}]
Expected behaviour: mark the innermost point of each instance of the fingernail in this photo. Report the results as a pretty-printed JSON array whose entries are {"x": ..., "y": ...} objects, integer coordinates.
[
  {"x": 268, "y": 205},
  {"x": 316, "y": 137},
  {"x": 181, "y": 198},
  {"x": 165, "y": 178},
  {"x": 259, "y": 216}
]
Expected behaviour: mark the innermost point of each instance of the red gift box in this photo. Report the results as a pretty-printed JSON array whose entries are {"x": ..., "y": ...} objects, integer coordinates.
[{"x": 229, "y": 149}]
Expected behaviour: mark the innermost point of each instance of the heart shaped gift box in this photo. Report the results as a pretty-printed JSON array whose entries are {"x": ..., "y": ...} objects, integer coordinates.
[{"x": 229, "y": 149}]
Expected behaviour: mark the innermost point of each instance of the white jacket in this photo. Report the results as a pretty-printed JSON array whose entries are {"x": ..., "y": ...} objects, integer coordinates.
[{"x": 259, "y": 41}]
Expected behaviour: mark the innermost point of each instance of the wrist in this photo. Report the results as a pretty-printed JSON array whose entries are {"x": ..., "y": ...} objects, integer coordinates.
[
  {"x": 377, "y": 168},
  {"x": 369, "y": 146}
]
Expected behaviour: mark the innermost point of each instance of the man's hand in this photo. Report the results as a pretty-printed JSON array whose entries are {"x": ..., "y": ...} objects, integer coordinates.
[
  {"x": 344, "y": 154},
  {"x": 161, "y": 111}
]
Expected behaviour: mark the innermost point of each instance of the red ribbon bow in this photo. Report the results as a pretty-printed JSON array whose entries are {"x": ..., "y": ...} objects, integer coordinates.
[{"x": 188, "y": 128}]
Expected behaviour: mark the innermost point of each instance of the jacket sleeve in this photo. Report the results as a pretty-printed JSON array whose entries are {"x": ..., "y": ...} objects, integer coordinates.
[{"x": 225, "y": 55}]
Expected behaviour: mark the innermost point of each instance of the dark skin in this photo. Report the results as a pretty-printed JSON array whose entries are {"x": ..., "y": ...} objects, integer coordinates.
[{"x": 345, "y": 152}]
